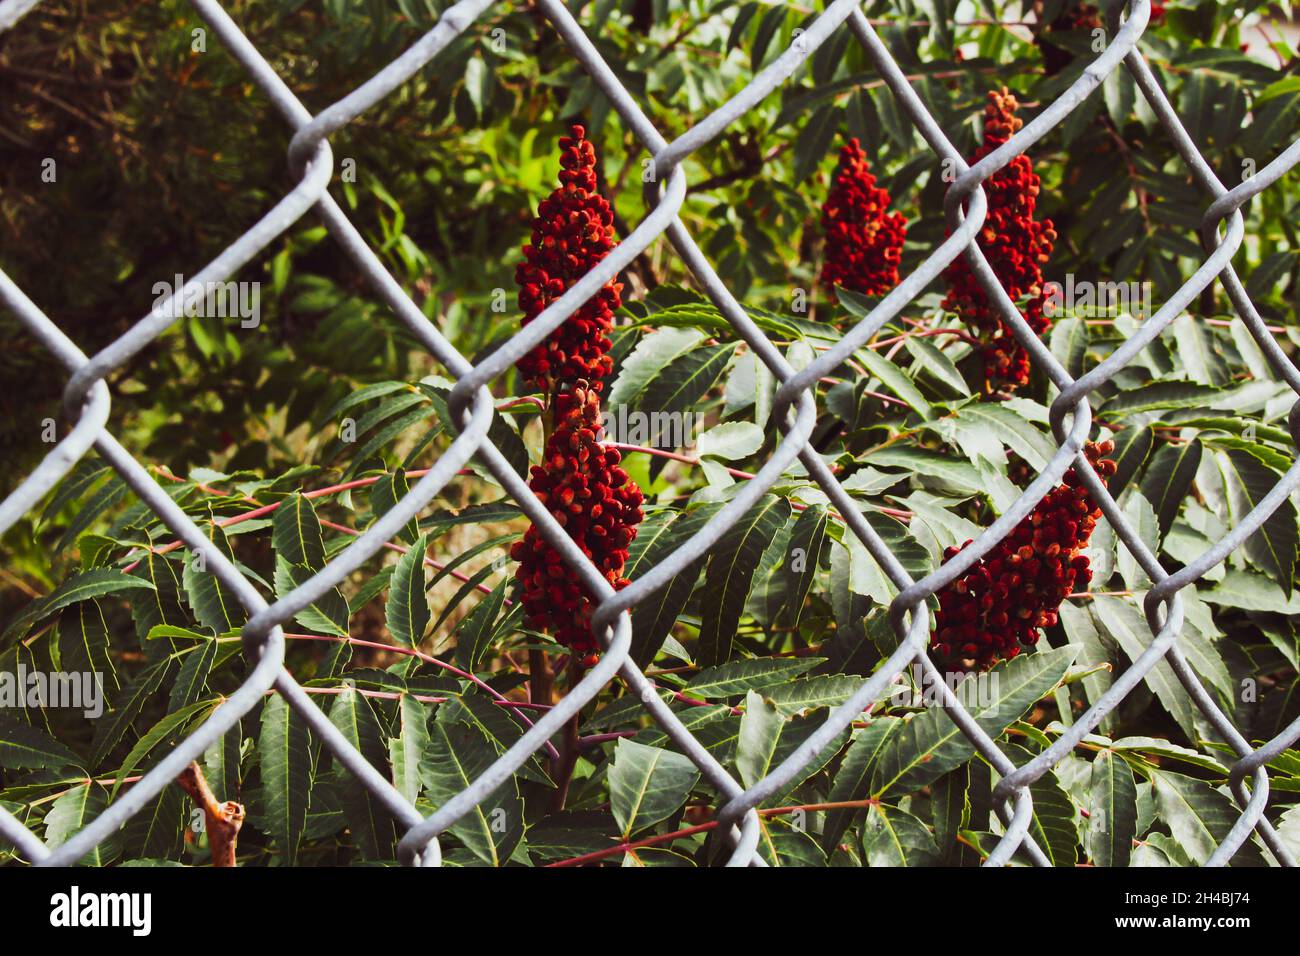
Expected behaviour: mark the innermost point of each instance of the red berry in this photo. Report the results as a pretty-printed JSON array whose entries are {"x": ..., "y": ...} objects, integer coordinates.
[
  {"x": 1016, "y": 247},
  {"x": 573, "y": 231},
  {"x": 1002, "y": 602},
  {"x": 864, "y": 243}
]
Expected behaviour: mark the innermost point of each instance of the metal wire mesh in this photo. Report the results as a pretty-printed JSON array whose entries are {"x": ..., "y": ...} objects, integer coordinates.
[{"x": 87, "y": 401}]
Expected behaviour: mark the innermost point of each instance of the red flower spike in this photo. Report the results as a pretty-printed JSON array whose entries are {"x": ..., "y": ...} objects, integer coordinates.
[
  {"x": 1016, "y": 247},
  {"x": 573, "y": 231},
  {"x": 864, "y": 243},
  {"x": 1000, "y": 604},
  {"x": 581, "y": 484}
]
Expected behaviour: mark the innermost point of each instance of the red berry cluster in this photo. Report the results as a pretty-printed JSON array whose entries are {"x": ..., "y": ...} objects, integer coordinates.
[
  {"x": 1016, "y": 247},
  {"x": 582, "y": 485},
  {"x": 999, "y": 605},
  {"x": 864, "y": 242},
  {"x": 573, "y": 231}
]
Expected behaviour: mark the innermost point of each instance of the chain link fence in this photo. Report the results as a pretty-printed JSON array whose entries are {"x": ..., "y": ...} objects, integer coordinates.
[{"x": 87, "y": 402}]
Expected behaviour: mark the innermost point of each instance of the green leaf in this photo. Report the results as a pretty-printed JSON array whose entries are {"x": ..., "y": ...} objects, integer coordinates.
[
  {"x": 457, "y": 755},
  {"x": 760, "y": 730},
  {"x": 193, "y": 677},
  {"x": 215, "y": 605},
  {"x": 284, "y": 749},
  {"x": 730, "y": 440},
  {"x": 738, "y": 677},
  {"x": 653, "y": 353},
  {"x": 1069, "y": 343},
  {"x": 155, "y": 832},
  {"x": 162, "y": 604},
  {"x": 1127, "y": 625},
  {"x": 1156, "y": 395},
  {"x": 70, "y": 813},
  {"x": 1112, "y": 821},
  {"x": 168, "y": 730},
  {"x": 647, "y": 785},
  {"x": 931, "y": 463},
  {"x": 1168, "y": 478},
  {"x": 682, "y": 384},
  {"x": 1198, "y": 816},
  {"x": 79, "y": 587},
  {"x": 475, "y": 633},
  {"x": 807, "y": 539},
  {"x": 935, "y": 361},
  {"x": 126, "y": 709},
  {"x": 1010, "y": 428},
  {"x": 409, "y": 746},
  {"x": 407, "y": 609},
  {"x": 328, "y": 614},
  {"x": 1132, "y": 445},
  {"x": 893, "y": 837},
  {"x": 387, "y": 492},
  {"x": 852, "y": 780},
  {"x": 660, "y": 535},
  {"x": 83, "y": 642},
  {"x": 1273, "y": 546},
  {"x": 24, "y": 747},
  {"x": 368, "y": 819},
  {"x": 809, "y": 693},
  {"x": 930, "y": 744},
  {"x": 730, "y": 572},
  {"x": 894, "y": 379},
  {"x": 296, "y": 534}
]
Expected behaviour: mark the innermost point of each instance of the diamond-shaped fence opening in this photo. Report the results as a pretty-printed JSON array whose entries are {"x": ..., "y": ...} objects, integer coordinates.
[{"x": 87, "y": 401}]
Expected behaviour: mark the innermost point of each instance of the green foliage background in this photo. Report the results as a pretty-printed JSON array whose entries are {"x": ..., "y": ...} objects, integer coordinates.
[{"x": 165, "y": 155}]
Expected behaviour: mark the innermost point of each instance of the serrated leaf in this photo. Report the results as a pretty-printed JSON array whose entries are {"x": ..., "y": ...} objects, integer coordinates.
[
  {"x": 1168, "y": 478},
  {"x": 328, "y": 614},
  {"x": 407, "y": 610},
  {"x": 894, "y": 379},
  {"x": 126, "y": 708},
  {"x": 660, "y": 535},
  {"x": 853, "y": 778},
  {"x": 682, "y": 384},
  {"x": 760, "y": 730},
  {"x": 83, "y": 643},
  {"x": 409, "y": 746},
  {"x": 368, "y": 819},
  {"x": 647, "y": 785},
  {"x": 893, "y": 837},
  {"x": 214, "y": 604},
  {"x": 1198, "y": 816},
  {"x": 1273, "y": 546},
  {"x": 652, "y": 354},
  {"x": 79, "y": 587},
  {"x": 929, "y": 745},
  {"x": 931, "y": 358},
  {"x": 193, "y": 676},
  {"x": 391, "y": 488},
  {"x": 70, "y": 813},
  {"x": 169, "y": 729},
  {"x": 24, "y": 747},
  {"x": 458, "y": 755},
  {"x": 1112, "y": 821},
  {"x": 1132, "y": 445},
  {"x": 1127, "y": 626},
  {"x": 285, "y": 761},
  {"x": 474, "y": 635},
  {"x": 730, "y": 572},
  {"x": 296, "y": 533},
  {"x": 730, "y": 440},
  {"x": 807, "y": 539},
  {"x": 739, "y": 677}
]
